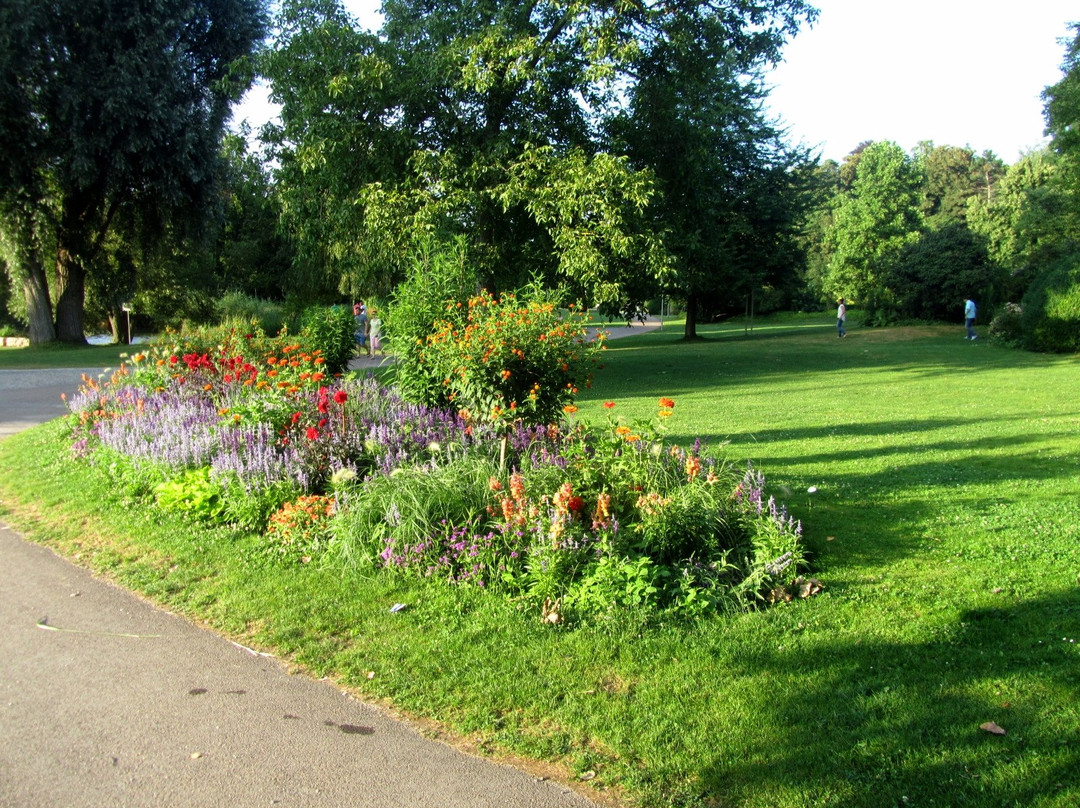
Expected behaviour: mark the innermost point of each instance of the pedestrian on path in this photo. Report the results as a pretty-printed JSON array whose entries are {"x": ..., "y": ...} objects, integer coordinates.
[{"x": 362, "y": 331}]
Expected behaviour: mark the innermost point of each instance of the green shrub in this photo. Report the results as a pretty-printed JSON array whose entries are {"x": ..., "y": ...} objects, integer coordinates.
[
  {"x": 1007, "y": 326},
  {"x": 242, "y": 310},
  {"x": 193, "y": 494},
  {"x": 1051, "y": 309},
  {"x": 439, "y": 274},
  {"x": 512, "y": 358},
  {"x": 328, "y": 330}
]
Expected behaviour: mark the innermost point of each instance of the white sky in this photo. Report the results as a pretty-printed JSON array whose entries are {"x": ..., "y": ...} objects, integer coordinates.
[{"x": 956, "y": 72}]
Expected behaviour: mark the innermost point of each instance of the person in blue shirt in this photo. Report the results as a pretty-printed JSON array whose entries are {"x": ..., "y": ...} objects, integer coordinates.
[
  {"x": 969, "y": 318},
  {"x": 360, "y": 334}
]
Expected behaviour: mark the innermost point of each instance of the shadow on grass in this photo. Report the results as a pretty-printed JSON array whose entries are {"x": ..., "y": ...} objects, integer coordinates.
[{"x": 898, "y": 724}]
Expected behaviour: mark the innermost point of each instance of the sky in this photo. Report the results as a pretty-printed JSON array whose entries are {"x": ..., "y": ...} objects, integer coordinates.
[{"x": 954, "y": 72}]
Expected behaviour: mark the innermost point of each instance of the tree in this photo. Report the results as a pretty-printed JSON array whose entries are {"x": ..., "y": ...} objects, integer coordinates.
[
  {"x": 112, "y": 116},
  {"x": 483, "y": 120},
  {"x": 1062, "y": 111},
  {"x": 953, "y": 176},
  {"x": 874, "y": 221},
  {"x": 726, "y": 197},
  {"x": 253, "y": 256},
  {"x": 932, "y": 276}
]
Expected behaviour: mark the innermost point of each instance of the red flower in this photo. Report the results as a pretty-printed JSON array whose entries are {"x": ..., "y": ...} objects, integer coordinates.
[
  {"x": 312, "y": 433},
  {"x": 608, "y": 405},
  {"x": 667, "y": 403},
  {"x": 575, "y": 504},
  {"x": 340, "y": 397}
]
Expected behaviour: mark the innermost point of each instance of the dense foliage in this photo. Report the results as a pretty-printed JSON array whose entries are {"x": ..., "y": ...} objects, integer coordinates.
[
  {"x": 502, "y": 124},
  {"x": 111, "y": 118},
  {"x": 1051, "y": 309}
]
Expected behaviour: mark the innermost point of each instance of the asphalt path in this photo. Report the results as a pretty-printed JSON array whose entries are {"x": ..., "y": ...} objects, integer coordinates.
[{"x": 107, "y": 700}]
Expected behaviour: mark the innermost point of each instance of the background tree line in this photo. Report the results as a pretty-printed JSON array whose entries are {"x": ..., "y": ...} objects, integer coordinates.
[{"x": 617, "y": 149}]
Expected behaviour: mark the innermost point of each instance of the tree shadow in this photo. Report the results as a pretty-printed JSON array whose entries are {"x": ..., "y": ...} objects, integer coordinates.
[{"x": 891, "y": 724}]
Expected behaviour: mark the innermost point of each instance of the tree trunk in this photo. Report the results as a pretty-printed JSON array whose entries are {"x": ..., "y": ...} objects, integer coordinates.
[
  {"x": 26, "y": 270},
  {"x": 690, "y": 331},
  {"x": 69, "y": 306},
  {"x": 38, "y": 305}
]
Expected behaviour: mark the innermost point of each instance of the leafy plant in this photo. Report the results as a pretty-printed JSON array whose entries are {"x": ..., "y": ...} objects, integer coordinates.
[
  {"x": 1051, "y": 308},
  {"x": 439, "y": 274},
  {"x": 511, "y": 358},
  {"x": 193, "y": 494},
  {"x": 328, "y": 332},
  {"x": 300, "y": 529},
  {"x": 1007, "y": 326}
]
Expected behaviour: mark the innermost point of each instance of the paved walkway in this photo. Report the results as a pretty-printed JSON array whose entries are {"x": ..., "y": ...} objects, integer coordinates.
[{"x": 107, "y": 700}]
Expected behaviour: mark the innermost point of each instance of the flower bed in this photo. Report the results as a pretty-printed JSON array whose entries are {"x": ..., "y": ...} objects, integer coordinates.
[{"x": 336, "y": 470}]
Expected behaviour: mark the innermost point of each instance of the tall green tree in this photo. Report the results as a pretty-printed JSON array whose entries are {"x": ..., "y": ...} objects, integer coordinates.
[
  {"x": 726, "y": 199},
  {"x": 876, "y": 219},
  {"x": 1062, "y": 111},
  {"x": 112, "y": 111},
  {"x": 252, "y": 254}
]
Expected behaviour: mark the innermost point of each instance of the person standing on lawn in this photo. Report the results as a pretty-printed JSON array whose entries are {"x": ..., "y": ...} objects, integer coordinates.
[
  {"x": 969, "y": 318},
  {"x": 841, "y": 317}
]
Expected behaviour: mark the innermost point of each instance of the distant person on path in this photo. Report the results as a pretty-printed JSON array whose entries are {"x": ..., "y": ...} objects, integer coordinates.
[
  {"x": 361, "y": 332},
  {"x": 969, "y": 318},
  {"x": 841, "y": 316},
  {"x": 375, "y": 332}
]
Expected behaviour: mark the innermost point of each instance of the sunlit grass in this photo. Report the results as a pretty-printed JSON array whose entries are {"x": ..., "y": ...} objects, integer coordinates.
[
  {"x": 945, "y": 526},
  {"x": 57, "y": 355}
]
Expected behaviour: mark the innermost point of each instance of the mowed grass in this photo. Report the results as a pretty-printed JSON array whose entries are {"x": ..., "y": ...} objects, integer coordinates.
[
  {"x": 945, "y": 527},
  {"x": 57, "y": 355}
]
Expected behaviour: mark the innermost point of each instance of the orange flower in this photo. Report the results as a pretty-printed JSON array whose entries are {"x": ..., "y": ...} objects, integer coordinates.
[
  {"x": 693, "y": 467},
  {"x": 569, "y": 409},
  {"x": 608, "y": 405},
  {"x": 667, "y": 403}
]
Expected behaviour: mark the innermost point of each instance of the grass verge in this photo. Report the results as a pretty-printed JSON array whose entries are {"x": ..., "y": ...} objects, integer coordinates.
[{"x": 944, "y": 526}]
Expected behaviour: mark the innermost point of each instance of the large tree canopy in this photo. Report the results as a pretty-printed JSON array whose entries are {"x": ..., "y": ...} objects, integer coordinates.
[
  {"x": 873, "y": 221},
  {"x": 489, "y": 120},
  {"x": 111, "y": 117}
]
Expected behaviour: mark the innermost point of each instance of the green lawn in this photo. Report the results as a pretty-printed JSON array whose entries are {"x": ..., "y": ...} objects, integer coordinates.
[
  {"x": 945, "y": 527},
  {"x": 56, "y": 355}
]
